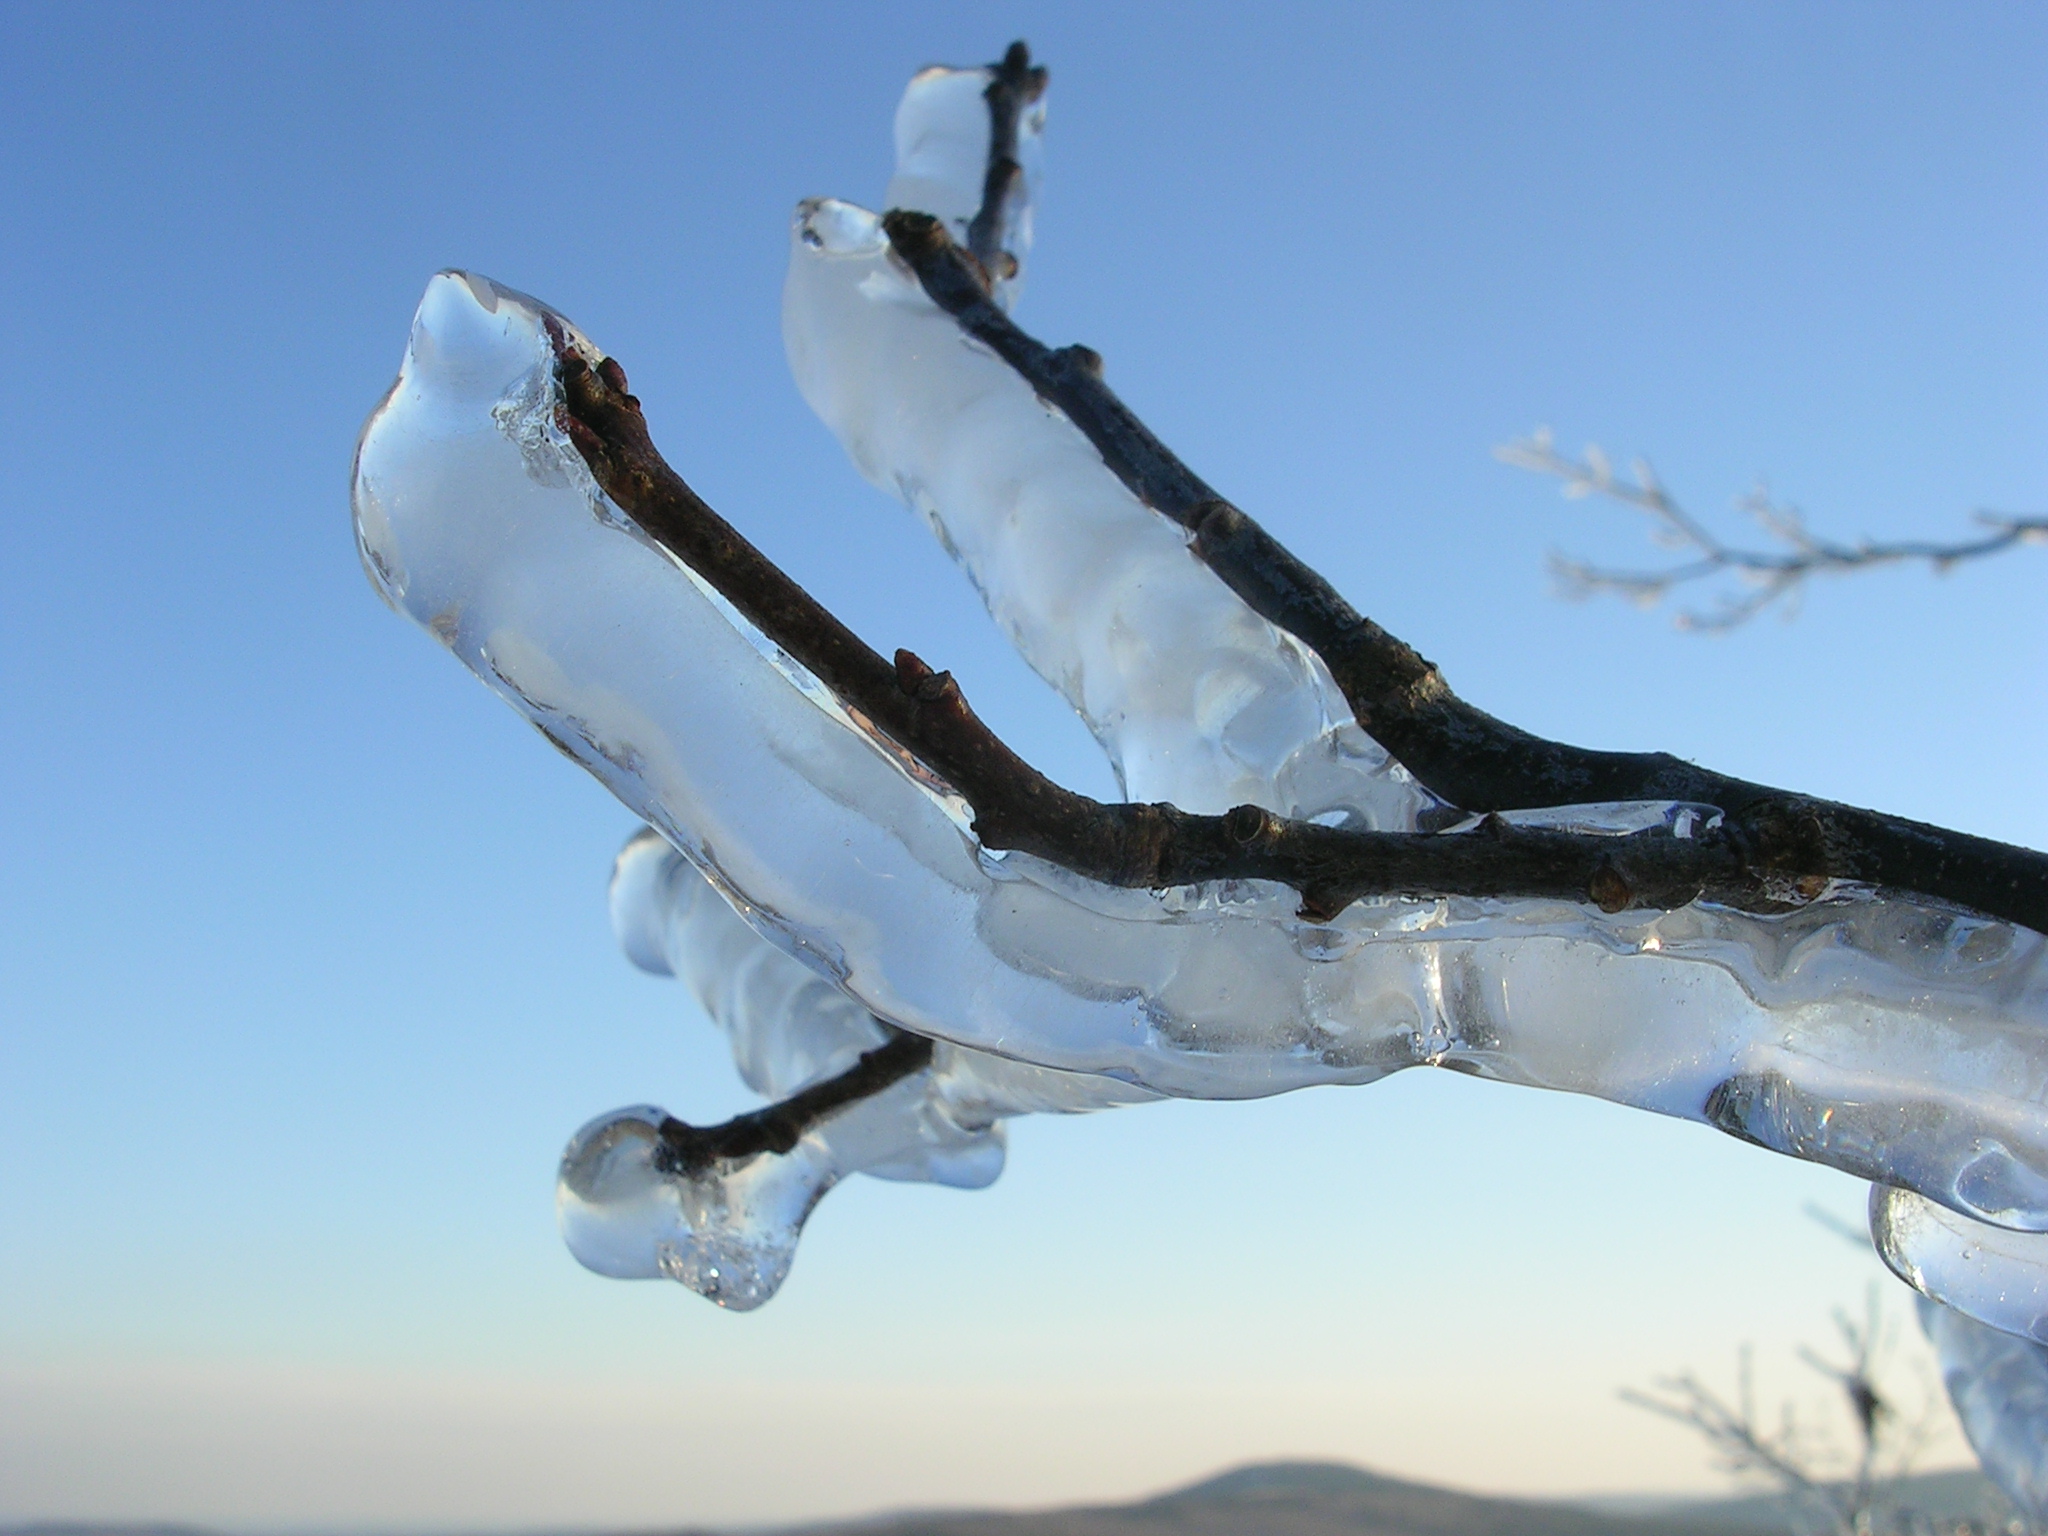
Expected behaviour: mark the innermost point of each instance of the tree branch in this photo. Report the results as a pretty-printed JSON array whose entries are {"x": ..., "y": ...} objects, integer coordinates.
[
  {"x": 1016, "y": 84},
  {"x": 1140, "y": 846},
  {"x": 777, "y": 1128},
  {"x": 1459, "y": 752},
  {"x": 1770, "y": 575}
]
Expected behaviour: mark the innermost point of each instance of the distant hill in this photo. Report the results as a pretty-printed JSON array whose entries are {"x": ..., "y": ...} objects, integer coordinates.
[
  {"x": 1321, "y": 1498},
  {"x": 1327, "y": 1498},
  {"x": 1296, "y": 1499}
]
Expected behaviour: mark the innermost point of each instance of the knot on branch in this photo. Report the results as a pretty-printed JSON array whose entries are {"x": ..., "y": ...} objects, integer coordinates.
[
  {"x": 913, "y": 234},
  {"x": 1793, "y": 842},
  {"x": 1017, "y": 77},
  {"x": 1610, "y": 889},
  {"x": 1078, "y": 361},
  {"x": 1215, "y": 523},
  {"x": 602, "y": 418},
  {"x": 1252, "y": 826},
  {"x": 921, "y": 242}
]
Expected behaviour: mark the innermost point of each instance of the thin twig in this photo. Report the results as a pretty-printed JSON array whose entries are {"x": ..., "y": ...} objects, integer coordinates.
[
  {"x": 1769, "y": 576},
  {"x": 777, "y": 1128},
  {"x": 1459, "y": 752},
  {"x": 1014, "y": 85}
]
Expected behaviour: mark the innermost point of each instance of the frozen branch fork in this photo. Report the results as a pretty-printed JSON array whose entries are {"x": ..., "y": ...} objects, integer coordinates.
[{"x": 1329, "y": 867}]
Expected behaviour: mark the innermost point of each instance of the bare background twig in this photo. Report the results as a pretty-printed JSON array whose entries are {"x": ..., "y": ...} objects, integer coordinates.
[
  {"x": 1762, "y": 576},
  {"x": 1853, "y": 1492}
]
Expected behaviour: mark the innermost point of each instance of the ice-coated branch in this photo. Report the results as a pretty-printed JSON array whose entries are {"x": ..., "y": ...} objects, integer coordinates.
[
  {"x": 1766, "y": 575},
  {"x": 1014, "y": 85},
  {"x": 1129, "y": 845},
  {"x": 812, "y": 876},
  {"x": 1456, "y": 750}
]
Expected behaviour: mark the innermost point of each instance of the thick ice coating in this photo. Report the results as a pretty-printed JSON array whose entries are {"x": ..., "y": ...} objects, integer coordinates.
[
  {"x": 1195, "y": 698},
  {"x": 730, "y": 1231},
  {"x": 943, "y": 129},
  {"x": 1999, "y": 1385}
]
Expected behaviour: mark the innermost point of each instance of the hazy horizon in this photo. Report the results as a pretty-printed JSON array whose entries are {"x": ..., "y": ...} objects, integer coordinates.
[{"x": 1316, "y": 1477}]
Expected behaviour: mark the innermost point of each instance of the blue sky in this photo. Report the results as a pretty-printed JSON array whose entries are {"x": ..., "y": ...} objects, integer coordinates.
[{"x": 306, "y": 976}]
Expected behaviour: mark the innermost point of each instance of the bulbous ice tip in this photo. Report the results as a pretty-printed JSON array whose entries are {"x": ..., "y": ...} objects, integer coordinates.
[
  {"x": 1992, "y": 1274},
  {"x": 728, "y": 1232},
  {"x": 455, "y": 438},
  {"x": 609, "y": 1195},
  {"x": 831, "y": 227}
]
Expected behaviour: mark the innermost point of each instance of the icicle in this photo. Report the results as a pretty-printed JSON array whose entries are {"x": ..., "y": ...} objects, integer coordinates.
[{"x": 1999, "y": 1385}]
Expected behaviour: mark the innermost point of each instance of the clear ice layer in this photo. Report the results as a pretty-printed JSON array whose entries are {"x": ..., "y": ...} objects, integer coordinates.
[
  {"x": 1999, "y": 1385},
  {"x": 1993, "y": 1274},
  {"x": 1196, "y": 699}
]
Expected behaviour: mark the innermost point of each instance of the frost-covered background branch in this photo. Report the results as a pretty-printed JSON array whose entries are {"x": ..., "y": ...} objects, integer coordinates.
[
  {"x": 1328, "y": 868},
  {"x": 1761, "y": 577},
  {"x": 1851, "y": 1489}
]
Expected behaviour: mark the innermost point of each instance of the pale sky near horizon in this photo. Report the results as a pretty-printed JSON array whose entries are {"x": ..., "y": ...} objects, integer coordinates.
[{"x": 306, "y": 978}]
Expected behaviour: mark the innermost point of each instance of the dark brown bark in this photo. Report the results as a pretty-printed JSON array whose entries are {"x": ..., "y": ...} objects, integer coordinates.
[
  {"x": 923, "y": 713},
  {"x": 1015, "y": 85},
  {"x": 1460, "y": 752},
  {"x": 777, "y": 1128}
]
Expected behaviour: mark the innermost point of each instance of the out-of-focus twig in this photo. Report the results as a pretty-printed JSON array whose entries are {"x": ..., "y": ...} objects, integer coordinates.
[
  {"x": 1762, "y": 576},
  {"x": 1742, "y": 1442},
  {"x": 1852, "y": 1495}
]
